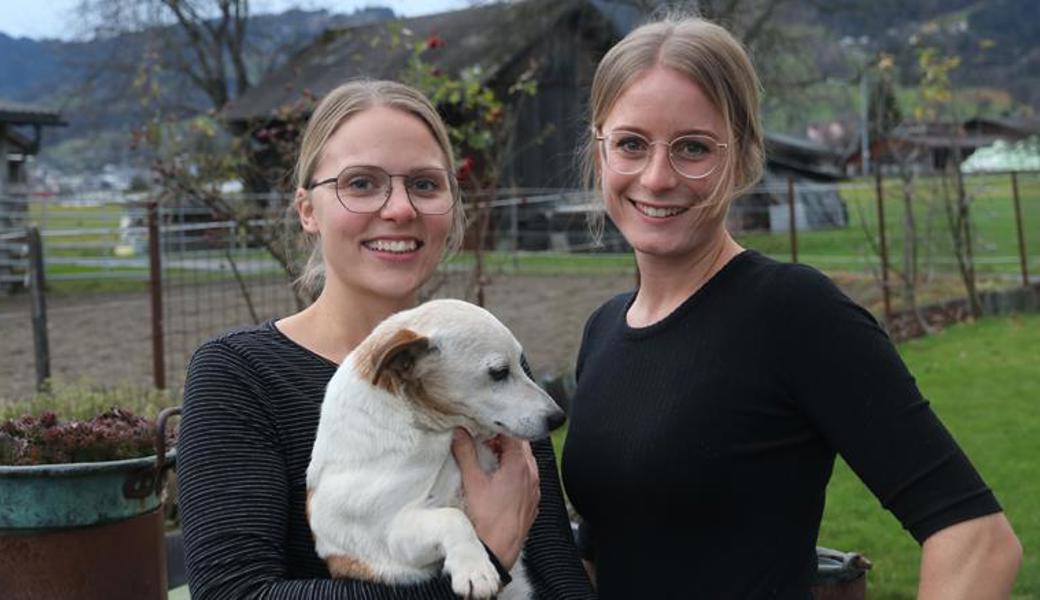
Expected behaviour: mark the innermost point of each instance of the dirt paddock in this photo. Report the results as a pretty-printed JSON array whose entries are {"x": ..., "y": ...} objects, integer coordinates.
[{"x": 106, "y": 339}]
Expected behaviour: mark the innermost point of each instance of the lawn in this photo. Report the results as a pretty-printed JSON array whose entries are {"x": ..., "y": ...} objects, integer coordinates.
[{"x": 983, "y": 381}]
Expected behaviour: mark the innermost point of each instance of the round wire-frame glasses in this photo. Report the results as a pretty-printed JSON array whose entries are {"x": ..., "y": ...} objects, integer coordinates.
[
  {"x": 693, "y": 156},
  {"x": 366, "y": 189}
]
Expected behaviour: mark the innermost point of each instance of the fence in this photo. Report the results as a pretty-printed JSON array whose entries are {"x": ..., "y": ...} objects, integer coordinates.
[{"x": 541, "y": 271}]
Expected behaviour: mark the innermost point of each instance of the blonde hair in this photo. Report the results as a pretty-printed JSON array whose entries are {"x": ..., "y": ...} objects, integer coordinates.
[
  {"x": 336, "y": 107},
  {"x": 710, "y": 57}
]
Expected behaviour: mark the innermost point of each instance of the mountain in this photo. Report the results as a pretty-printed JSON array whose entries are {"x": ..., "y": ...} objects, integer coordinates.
[{"x": 998, "y": 41}]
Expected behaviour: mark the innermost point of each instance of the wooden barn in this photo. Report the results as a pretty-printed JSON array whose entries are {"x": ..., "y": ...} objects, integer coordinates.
[{"x": 565, "y": 40}]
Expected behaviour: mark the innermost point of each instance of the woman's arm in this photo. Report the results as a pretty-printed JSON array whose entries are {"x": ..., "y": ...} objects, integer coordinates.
[{"x": 972, "y": 560}]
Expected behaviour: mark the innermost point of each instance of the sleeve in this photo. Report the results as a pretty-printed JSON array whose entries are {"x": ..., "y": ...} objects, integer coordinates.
[
  {"x": 234, "y": 495},
  {"x": 848, "y": 378},
  {"x": 550, "y": 554}
]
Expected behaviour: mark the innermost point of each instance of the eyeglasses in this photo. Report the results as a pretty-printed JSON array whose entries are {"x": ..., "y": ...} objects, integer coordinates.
[
  {"x": 366, "y": 189},
  {"x": 692, "y": 156}
]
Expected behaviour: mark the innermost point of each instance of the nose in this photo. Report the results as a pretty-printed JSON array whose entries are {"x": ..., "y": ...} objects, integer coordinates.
[
  {"x": 398, "y": 206},
  {"x": 658, "y": 174},
  {"x": 555, "y": 419}
]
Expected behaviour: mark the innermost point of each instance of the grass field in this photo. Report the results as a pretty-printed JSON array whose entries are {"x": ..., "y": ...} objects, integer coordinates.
[
  {"x": 983, "y": 382},
  {"x": 849, "y": 251}
]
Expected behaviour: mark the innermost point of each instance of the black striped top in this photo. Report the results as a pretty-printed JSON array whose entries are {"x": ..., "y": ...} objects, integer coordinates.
[{"x": 251, "y": 406}]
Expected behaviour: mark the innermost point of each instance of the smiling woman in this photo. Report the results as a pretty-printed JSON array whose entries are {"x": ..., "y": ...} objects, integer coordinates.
[
  {"x": 376, "y": 197},
  {"x": 712, "y": 400}
]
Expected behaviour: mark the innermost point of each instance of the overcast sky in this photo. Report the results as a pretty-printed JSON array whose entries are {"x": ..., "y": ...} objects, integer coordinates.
[{"x": 57, "y": 18}]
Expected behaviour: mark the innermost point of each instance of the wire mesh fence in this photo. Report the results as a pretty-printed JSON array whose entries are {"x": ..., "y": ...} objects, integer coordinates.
[{"x": 540, "y": 269}]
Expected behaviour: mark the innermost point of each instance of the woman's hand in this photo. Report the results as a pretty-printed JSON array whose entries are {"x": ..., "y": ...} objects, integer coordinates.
[{"x": 502, "y": 505}]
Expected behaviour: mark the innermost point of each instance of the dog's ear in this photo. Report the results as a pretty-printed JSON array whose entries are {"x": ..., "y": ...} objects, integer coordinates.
[{"x": 396, "y": 355}]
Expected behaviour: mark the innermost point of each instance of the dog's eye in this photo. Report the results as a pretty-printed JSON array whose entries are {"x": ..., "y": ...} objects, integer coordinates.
[{"x": 498, "y": 374}]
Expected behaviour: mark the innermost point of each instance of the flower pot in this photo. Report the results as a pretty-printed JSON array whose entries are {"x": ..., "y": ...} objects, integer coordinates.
[{"x": 85, "y": 530}]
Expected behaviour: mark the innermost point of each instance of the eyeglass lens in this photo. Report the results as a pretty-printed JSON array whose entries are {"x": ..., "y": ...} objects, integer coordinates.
[
  {"x": 365, "y": 189},
  {"x": 693, "y": 156}
]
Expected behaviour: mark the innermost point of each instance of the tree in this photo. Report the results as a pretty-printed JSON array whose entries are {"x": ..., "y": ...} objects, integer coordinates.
[
  {"x": 201, "y": 41},
  {"x": 937, "y": 95}
]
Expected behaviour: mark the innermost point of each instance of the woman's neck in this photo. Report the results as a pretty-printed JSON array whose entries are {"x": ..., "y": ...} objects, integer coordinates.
[
  {"x": 666, "y": 282},
  {"x": 339, "y": 320}
]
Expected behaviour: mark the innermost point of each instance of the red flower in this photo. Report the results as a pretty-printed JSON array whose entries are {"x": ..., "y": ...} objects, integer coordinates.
[
  {"x": 465, "y": 168},
  {"x": 434, "y": 41}
]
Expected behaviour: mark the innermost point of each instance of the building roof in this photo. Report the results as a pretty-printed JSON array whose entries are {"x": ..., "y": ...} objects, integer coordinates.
[
  {"x": 1023, "y": 126},
  {"x": 19, "y": 113},
  {"x": 489, "y": 37}
]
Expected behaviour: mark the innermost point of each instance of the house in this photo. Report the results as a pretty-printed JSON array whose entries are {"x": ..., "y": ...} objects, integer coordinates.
[
  {"x": 562, "y": 39},
  {"x": 1010, "y": 129},
  {"x": 929, "y": 147},
  {"x": 21, "y": 129}
]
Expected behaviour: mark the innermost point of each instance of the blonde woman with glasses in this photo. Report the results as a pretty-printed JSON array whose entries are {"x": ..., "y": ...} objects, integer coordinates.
[
  {"x": 376, "y": 195},
  {"x": 712, "y": 400}
]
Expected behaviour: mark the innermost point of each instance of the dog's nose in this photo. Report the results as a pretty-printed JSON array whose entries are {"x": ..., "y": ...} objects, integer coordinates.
[{"x": 555, "y": 419}]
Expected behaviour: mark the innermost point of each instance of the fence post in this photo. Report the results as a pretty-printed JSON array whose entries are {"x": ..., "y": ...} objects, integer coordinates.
[
  {"x": 883, "y": 243},
  {"x": 155, "y": 291},
  {"x": 1022, "y": 255},
  {"x": 792, "y": 222},
  {"x": 38, "y": 292}
]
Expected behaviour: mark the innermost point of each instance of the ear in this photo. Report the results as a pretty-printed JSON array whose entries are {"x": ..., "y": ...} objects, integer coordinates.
[
  {"x": 396, "y": 356},
  {"x": 305, "y": 209}
]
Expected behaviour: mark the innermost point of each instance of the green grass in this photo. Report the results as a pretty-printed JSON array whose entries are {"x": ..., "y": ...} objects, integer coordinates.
[{"x": 983, "y": 381}]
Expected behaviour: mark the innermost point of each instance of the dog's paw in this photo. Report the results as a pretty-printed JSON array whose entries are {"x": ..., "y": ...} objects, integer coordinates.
[{"x": 472, "y": 574}]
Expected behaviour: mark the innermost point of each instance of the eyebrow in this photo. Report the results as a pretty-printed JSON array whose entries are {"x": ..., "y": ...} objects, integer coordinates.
[{"x": 695, "y": 131}]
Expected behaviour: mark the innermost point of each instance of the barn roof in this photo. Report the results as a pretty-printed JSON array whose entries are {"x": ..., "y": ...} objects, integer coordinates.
[{"x": 487, "y": 37}]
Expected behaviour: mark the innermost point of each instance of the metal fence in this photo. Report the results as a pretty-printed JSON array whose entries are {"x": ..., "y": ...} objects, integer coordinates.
[{"x": 538, "y": 264}]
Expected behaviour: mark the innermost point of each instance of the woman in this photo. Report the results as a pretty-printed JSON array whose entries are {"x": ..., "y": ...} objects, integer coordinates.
[
  {"x": 711, "y": 401},
  {"x": 376, "y": 193}
]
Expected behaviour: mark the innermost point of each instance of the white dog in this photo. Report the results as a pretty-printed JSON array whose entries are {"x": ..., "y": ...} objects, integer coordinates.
[{"x": 384, "y": 491}]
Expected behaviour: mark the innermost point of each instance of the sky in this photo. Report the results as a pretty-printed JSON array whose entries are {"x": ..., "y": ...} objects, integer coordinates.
[{"x": 57, "y": 18}]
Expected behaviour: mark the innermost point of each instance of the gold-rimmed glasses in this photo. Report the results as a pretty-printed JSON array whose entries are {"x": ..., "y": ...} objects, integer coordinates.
[{"x": 693, "y": 156}]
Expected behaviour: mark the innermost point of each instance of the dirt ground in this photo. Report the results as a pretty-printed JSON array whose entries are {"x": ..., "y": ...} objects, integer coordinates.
[{"x": 106, "y": 339}]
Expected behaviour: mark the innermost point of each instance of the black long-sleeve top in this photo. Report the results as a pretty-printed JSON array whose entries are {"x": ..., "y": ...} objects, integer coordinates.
[
  {"x": 252, "y": 401},
  {"x": 700, "y": 447}
]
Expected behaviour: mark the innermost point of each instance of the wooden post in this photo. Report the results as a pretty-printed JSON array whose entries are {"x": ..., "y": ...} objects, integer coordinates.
[
  {"x": 1022, "y": 255},
  {"x": 883, "y": 243},
  {"x": 792, "y": 222},
  {"x": 38, "y": 292},
  {"x": 155, "y": 291}
]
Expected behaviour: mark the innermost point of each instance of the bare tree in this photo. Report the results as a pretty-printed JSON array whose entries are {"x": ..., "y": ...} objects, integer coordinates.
[{"x": 203, "y": 41}]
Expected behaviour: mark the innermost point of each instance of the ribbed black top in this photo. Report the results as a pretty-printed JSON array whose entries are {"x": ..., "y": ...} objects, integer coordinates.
[
  {"x": 699, "y": 448},
  {"x": 252, "y": 402}
]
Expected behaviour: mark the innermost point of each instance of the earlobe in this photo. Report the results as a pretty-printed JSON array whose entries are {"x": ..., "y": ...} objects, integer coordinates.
[{"x": 305, "y": 210}]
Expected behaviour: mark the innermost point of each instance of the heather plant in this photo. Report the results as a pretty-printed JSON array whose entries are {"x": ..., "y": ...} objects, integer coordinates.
[{"x": 115, "y": 434}]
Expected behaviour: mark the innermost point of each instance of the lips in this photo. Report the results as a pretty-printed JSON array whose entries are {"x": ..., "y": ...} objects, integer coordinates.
[
  {"x": 393, "y": 246},
  {"x": 658, "y": 212}
]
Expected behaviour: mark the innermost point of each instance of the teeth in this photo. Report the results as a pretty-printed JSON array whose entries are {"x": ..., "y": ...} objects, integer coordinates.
[
  {"x": 392, "y": 245},
  {"x": 653, "y": 211}
]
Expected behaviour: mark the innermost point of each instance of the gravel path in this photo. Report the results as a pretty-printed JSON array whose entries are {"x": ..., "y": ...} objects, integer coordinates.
[{"x": 106, "y": 339}]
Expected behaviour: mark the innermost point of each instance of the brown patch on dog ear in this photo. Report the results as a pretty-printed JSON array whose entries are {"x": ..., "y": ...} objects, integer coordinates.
[
  {"x": 343, "y": 566},
  {"x": 388, "y": 361}
]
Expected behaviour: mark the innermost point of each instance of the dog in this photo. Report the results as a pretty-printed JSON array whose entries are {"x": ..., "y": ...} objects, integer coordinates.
[{"x": 384, "y": 493}]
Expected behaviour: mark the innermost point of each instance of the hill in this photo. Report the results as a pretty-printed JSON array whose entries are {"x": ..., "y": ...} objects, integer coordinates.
[{"x": 997, "y": 40}]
